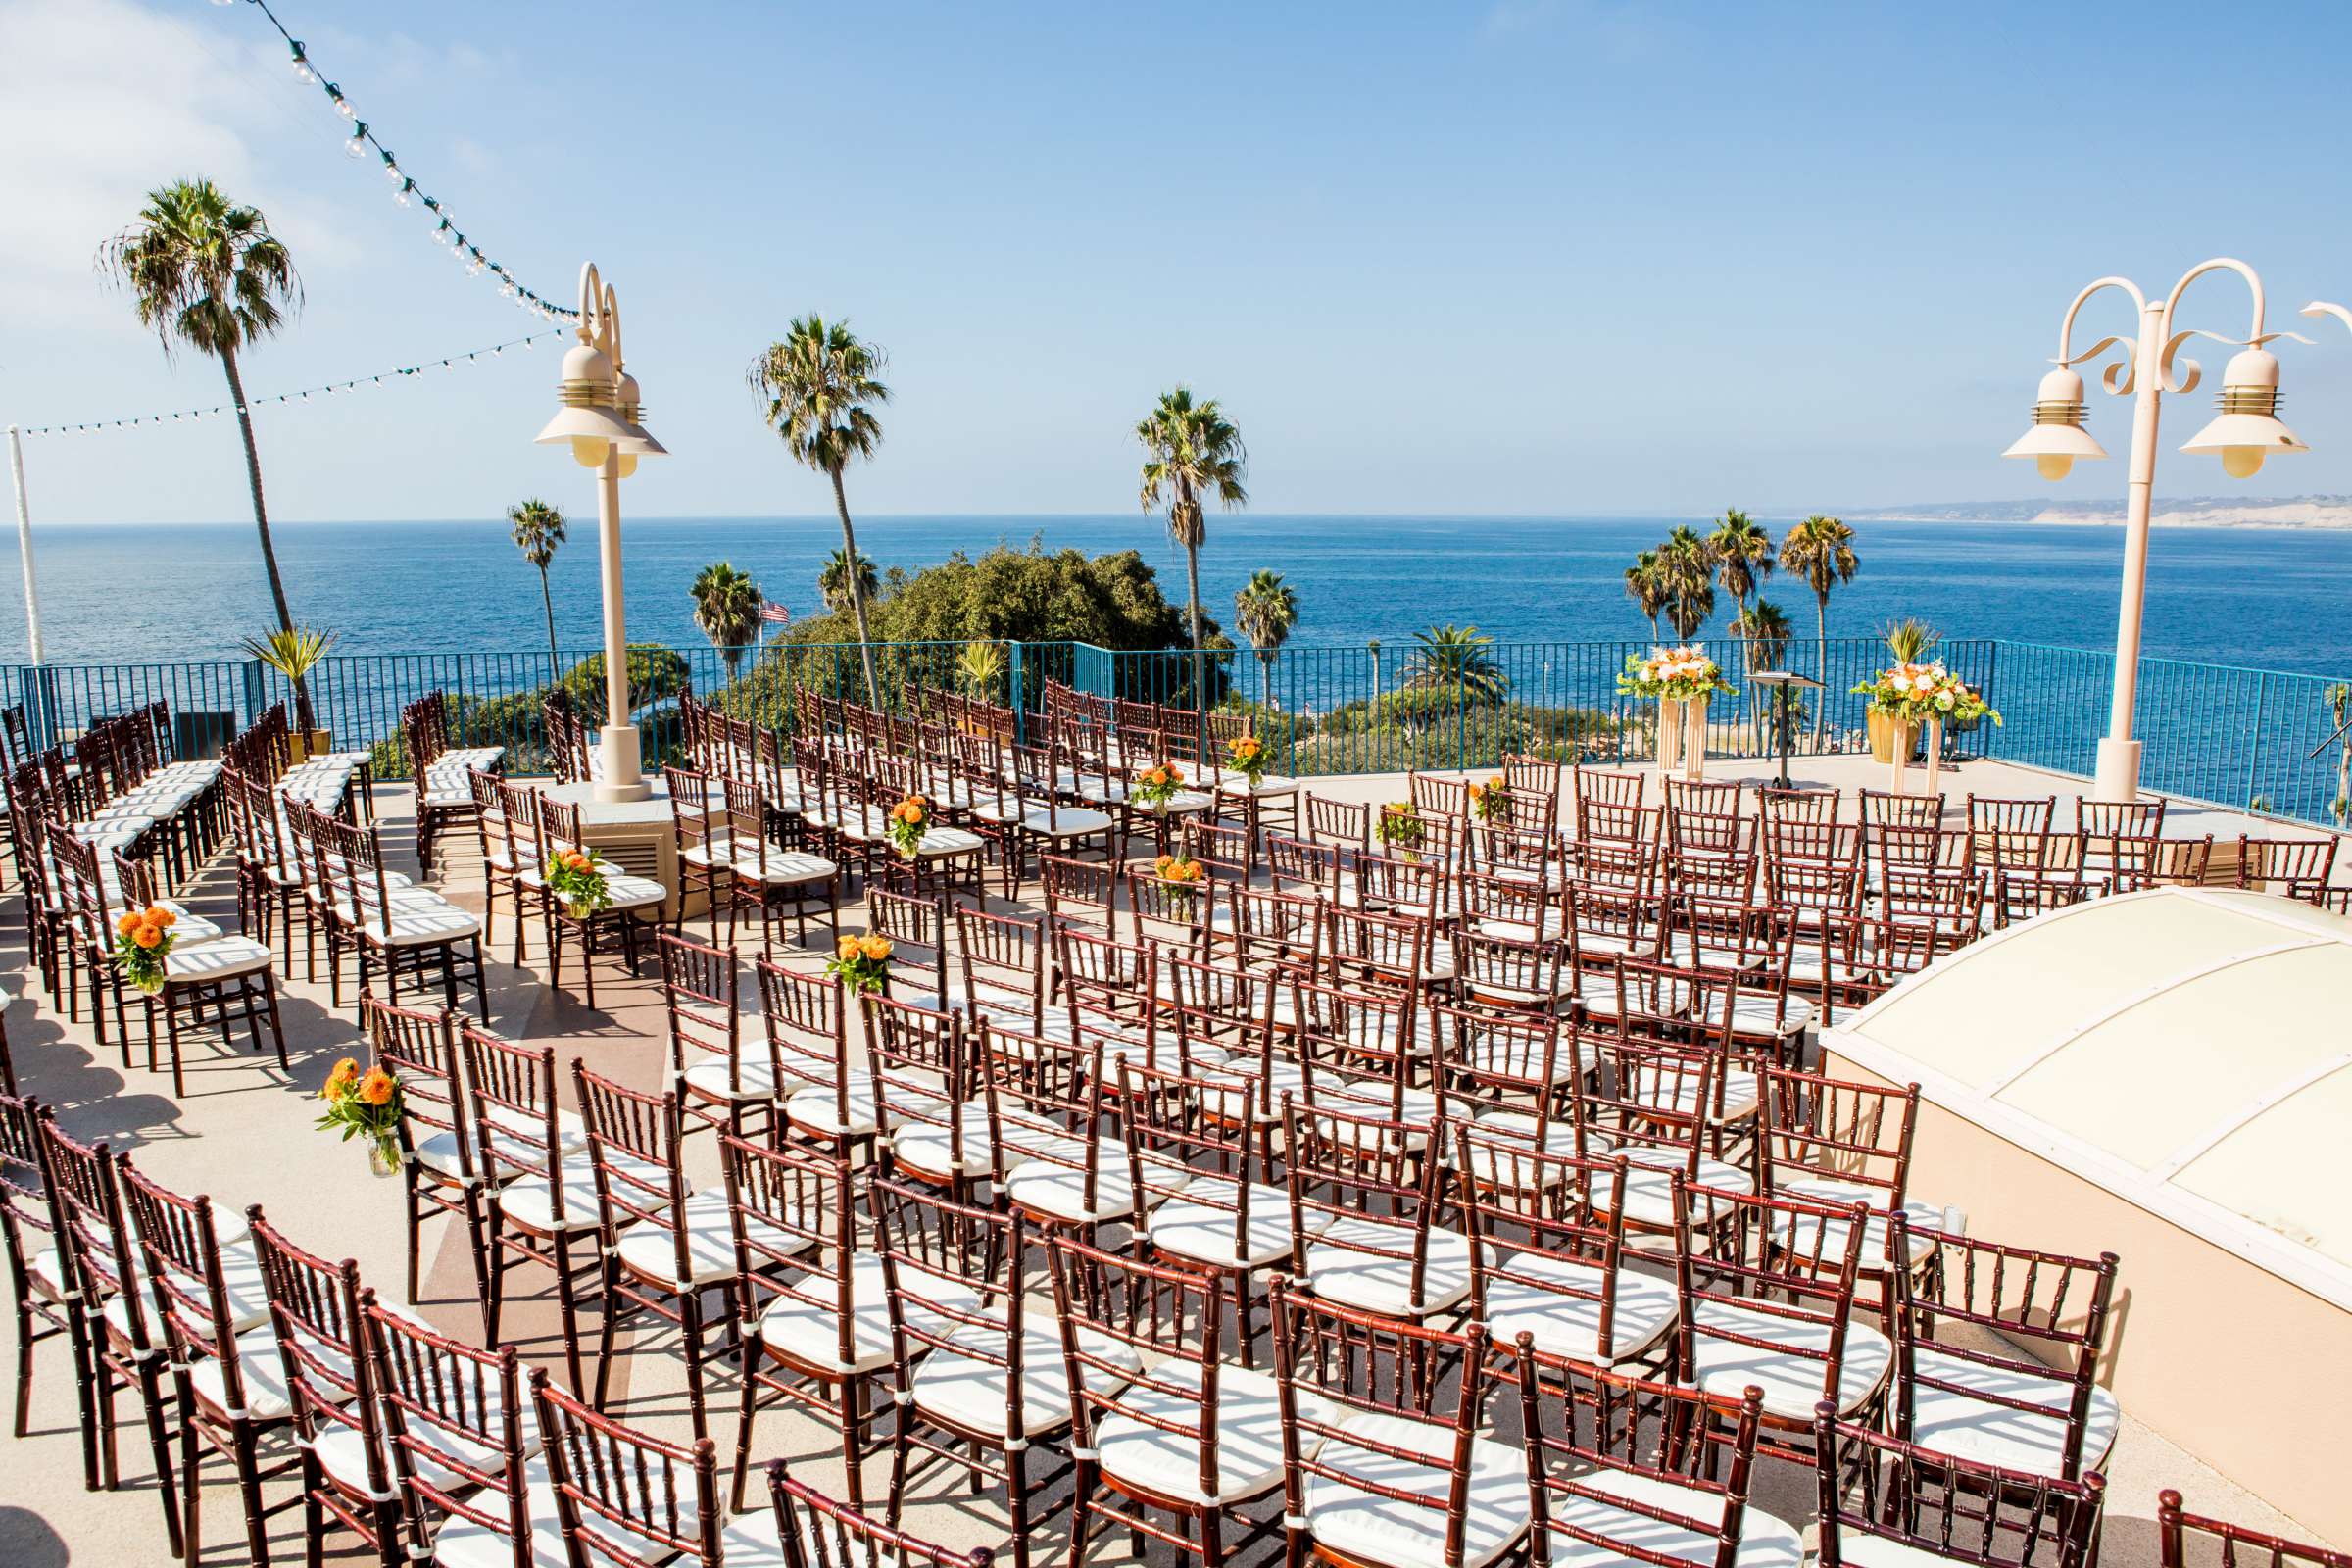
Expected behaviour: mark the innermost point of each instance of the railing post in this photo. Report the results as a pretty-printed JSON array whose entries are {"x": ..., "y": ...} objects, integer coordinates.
[
  {"x": 1013, "y": 687},
  {"x": 256, "y": 694},
  {"x": 2262, "y": 702}
]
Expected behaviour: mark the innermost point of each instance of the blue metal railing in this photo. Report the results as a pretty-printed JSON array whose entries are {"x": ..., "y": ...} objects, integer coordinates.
[{"x": 2238, "y": 737}]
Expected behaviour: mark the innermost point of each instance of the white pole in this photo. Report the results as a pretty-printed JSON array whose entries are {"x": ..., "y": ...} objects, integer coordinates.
[
  {"x": 32, "y": 596},
  {"x": 2118, "y": 775},
  {"x": 624, "y": 779}
]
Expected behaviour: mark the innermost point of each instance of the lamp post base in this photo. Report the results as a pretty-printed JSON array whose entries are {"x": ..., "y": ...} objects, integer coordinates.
[
  {"x": 2117, "y": 778},
  {"x": 625, "y": 779}
]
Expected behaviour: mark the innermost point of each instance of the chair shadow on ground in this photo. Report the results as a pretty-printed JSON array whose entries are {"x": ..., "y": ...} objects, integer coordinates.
[{"x": 26, "y": 1539}]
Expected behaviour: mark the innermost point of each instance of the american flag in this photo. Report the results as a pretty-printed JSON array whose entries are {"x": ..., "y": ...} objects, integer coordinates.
[{"x": 774, "y": 613}]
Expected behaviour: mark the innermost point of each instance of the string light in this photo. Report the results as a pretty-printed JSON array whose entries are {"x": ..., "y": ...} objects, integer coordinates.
[
  {"x": 395, "y": 375},
  {"x": 405, "y": 188}
]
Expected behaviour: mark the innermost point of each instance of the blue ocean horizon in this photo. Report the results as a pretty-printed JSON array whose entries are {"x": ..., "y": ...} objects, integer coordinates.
[{"x": 2270, "y": 598}]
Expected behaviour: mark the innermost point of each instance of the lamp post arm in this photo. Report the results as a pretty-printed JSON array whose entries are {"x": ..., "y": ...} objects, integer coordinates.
[
  {"x": 2118, "y": 378},
  {"x": 2325, "y": 307}
]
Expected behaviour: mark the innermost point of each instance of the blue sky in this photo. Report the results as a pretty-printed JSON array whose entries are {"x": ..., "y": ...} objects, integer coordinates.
[{"x": 1537, "y": 257}]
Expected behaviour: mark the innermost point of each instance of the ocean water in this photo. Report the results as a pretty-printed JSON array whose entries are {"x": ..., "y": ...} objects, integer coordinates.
[{"x": 2279, "y": 599}]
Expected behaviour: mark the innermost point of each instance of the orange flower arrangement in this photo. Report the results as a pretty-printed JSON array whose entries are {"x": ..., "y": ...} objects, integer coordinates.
[
  {"x": 1489, "y": 799},
  {"x": 579, "y": 880},
  {"x": 1246, "y": 755},
  {"x": 1183, "y": 876},
  {"x": 365, "y": 1104},
  {"x": 1155, "y": 786},
  {"x": 142, "y": 942},
  {"x": 909, "y": 820},
  {"x": 862, "y": 963}
]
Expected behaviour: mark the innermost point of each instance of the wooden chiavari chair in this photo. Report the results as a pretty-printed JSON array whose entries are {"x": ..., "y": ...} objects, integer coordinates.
[
  {"x": 1998, "y": 1351},
  {"x": 1002, "y": 962},
  {"x": 48, "y": 1299},
  {"x": 417, "y": 934},
  {"x": 1342, "y": 824},
  {"x": 921, "y": 1103},
  {"x": 633, "y": 904},
  {"x": 1882, "y": 1499},
  {"x": 2295, "y": 868},
  {"x": 1083, "y": 895},
  {"x": 212, "y": 1300},
  {"x": 1384, "y": 1464},
  {"x": 464, "y": 1445},
  {"x": 2119, "y": 841},
  {"x": 441, "y": 1167},
  {"x": 2231, "y": 1544},
  {"x": 1771, "y": 1306},
  {"x": 1366, "y": 1193},
  {"x": 94, "y": 1273}
]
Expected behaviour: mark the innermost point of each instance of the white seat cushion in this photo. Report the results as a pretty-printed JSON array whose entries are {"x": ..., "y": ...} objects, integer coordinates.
[
  {"x": 1248, "y": 1423},
  {"x": 1238, "y": 784},
  {"x": 1953, "y": 1422},
  {"x": 1190, "y": 1226},
  {"x": 1793, "y": 1384},
  {"x": 1802, "y": 1232},
  {"x": 809, "y": 1330},
  {"x": 1365, "y": 1527},
  {"x": 785, "y": 869},
  {"x": 971, "y": 1395},
  {"x": 1764, "y": 1540},
  {"x": 1558, "y": 1301},
  {"x": 709, "y": 1242},
  {"x": 1650, "y": 1181},
  {"x": 529, "y": 1202},
  {"x": 423, "y": 924},
  {"x": 751, "y": 1078},
  {"x": 464, "y": 1543},
  {"x": 1382, "y": 1284},
  {"x": 221, "y": 959}
]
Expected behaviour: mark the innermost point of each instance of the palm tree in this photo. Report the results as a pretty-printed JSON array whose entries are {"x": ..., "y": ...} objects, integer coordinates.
[
  {"x": 1645, "y": 586},
  {"x": 1763, "y": 632},
  {"x": 1686, "y": 562},
  {"x": 818, "y": 384},
  {"x": 208, "y": 274},
  {"x": 833, "y": 583},
  {"x": 538, "y": 530},
  {"x": 1453, "y": 659},
  {"x": 1265, "y": 610},
  {"x": 1820, "y": 551},
  {"x": 1742, "y": 552},
  {"x": 1195, "y": 450},
  {"x": 726, "y": 609}
]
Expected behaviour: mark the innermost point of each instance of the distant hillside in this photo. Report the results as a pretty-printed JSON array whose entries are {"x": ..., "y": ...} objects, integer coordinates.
[{"x": 2199, "y": 511}]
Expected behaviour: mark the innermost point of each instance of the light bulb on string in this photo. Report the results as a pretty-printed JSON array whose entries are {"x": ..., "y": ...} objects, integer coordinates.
[
  {"x": 342, "y": 104},
  {"x": 356, "y": 147},
  {"x": 400, "y": 197},
  {"x": 302, "y": 66},
  {"x": 392, "y": 169}
]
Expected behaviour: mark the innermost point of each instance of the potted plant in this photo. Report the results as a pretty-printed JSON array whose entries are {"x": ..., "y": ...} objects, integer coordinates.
[
  {"x": 1908, "y": 642},
  {"x": 294, "y": 653},
  {"x": 980, "y": 669}
]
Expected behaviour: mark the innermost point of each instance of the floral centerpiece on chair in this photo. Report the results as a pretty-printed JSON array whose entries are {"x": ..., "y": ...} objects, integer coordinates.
[
  {"x": 1490, "y": 801},
  {"x": 365, "y": 1105},
  {"x": 1183, "y": 876},
  {"x": 1401, "y": 829},
  {"x": 1155, "y": 786},
  {"x": 576, "y": 877},
  {"x": 1246, "y": 755},
  {"x": 142, "y": 942},
  {"x": 909, "y": 820},
  {"x": 862, "y": 963}
]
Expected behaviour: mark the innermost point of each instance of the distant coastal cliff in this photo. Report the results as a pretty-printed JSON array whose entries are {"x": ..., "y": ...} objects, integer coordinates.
[{"x": 2193, "y": 511}]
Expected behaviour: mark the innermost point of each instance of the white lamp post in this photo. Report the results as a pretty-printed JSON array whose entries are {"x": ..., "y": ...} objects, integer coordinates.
[
  {"x": 2246, "y": 431},
  {"x": 597, "y": 420}
]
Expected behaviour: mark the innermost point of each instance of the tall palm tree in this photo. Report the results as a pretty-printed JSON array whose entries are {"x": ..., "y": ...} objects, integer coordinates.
[
  {"x": 1763, "y": 631},
  {"x": 1688, "y": 565},
  {"x": 833, "y": 583},
  {"x": 726, "y": 609},
  {"x": 1266, "y": 608},
  {"x": 1454, "y": 660},
  {"x": 819, "y": 388},
  {"x": 207, "y": 274},
  {"x": 1742, "y": 552},
  {"x": 1820, "y": 552},
  {"x": 538, "y": 530},
  {"x": 1195, "y": 452},
  {"x": 1645, "y": 586}
]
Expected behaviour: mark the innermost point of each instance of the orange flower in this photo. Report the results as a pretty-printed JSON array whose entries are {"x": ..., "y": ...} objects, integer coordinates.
[
  {"x": 846, "y": 949},
  {"x": 876, "y": 948},
  {"x": 338, "y": 1082},
  {"x": 145, "y": 935},
  {"x": 124, "y": 926},
  {"x": 162, "y": 918},
  {"x": 1164, "y": 861},
  {"x": 1246, "y": 746},
  {"x": 376, "y": 1088}
]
